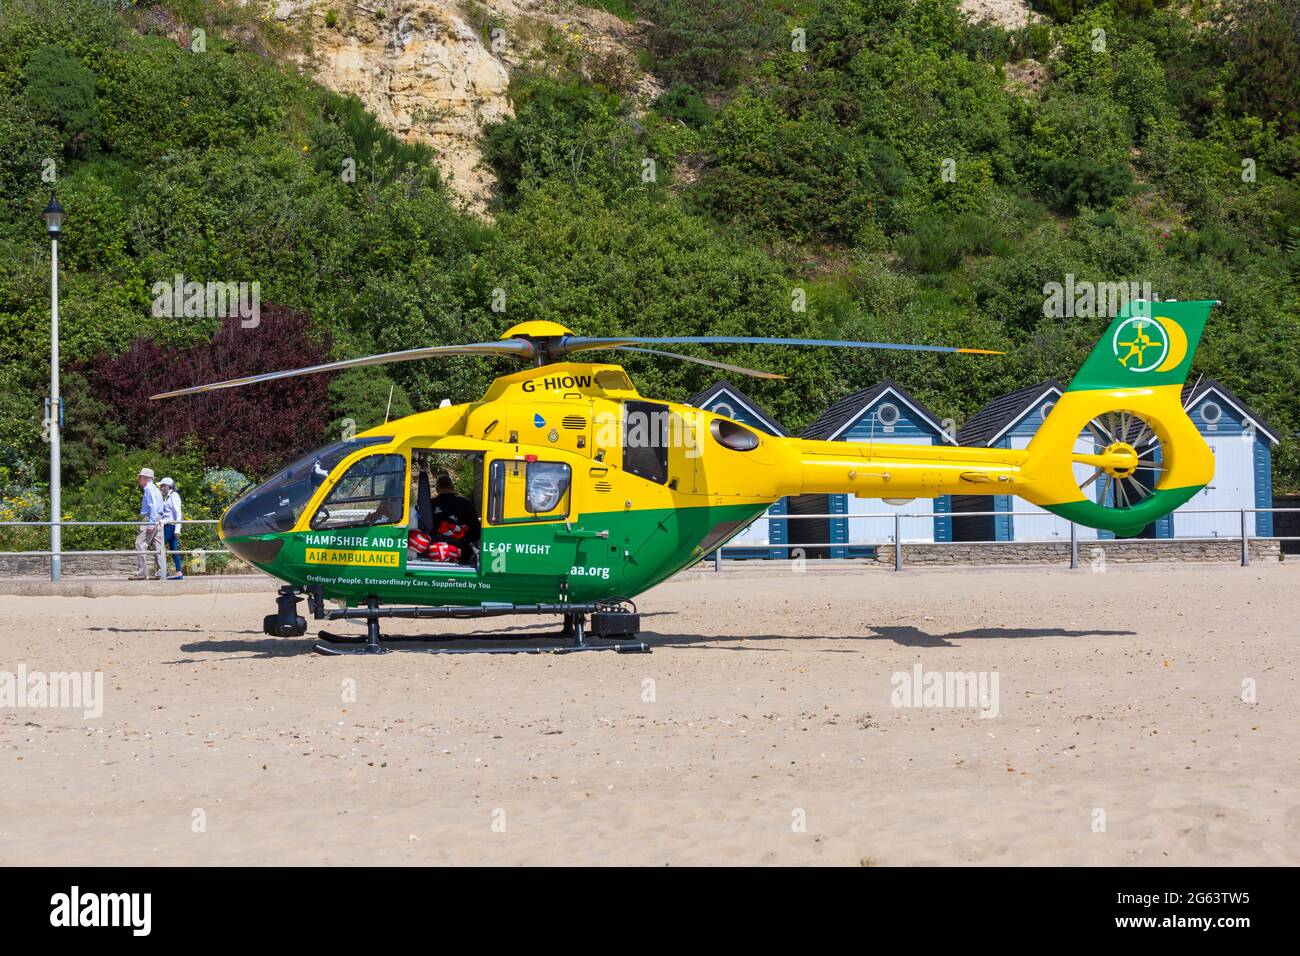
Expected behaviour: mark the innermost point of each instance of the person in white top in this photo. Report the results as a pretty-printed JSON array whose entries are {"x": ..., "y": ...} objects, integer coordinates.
[
  {"x": 149, "y": 538},
  {"x": 171, "y": 517}
]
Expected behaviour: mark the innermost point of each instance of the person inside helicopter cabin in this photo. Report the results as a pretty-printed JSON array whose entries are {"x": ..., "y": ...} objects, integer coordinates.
[{"x": 453, "y": 524}]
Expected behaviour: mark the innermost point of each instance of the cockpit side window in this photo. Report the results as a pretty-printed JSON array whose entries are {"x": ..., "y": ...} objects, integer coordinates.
[{"x": 371, "y": 492}]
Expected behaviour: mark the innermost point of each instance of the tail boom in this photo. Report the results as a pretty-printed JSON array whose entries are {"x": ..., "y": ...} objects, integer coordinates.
[{"x": 1133, "y": 379}]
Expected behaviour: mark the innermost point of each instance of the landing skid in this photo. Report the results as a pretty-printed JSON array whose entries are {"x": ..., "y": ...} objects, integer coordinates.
[{"x": 575, "y": 628}]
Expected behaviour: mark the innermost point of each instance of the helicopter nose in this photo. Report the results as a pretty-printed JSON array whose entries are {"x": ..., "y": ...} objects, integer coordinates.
[
  {"x": 255, "y": 550},
  {"x": 237, "y": 534}
]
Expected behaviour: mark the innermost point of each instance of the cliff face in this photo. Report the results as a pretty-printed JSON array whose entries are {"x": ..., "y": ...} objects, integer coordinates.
[
  {"x": 418, "y": 66},
  {"x": 1011, "y": 14},
  {"x": 438, "y": 70}
]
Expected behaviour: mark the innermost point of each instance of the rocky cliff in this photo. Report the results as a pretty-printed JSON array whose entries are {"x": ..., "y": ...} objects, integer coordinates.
[{"x": 438, "y": 70}]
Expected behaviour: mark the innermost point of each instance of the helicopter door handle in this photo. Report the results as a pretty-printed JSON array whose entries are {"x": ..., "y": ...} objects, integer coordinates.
[{"x": 578, "y": 533}]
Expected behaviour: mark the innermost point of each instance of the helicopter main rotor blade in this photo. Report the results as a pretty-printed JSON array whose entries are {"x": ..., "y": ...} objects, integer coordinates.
[
  {"x": 738, "y": 369},
  {"x": 515, "y": 348},
  {"x": 578, "y": 343}
]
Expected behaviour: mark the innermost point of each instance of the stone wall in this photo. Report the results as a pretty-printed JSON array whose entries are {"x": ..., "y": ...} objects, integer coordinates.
[
  {"x": 1130, "y": 551},
  {"x": 103, "y": 566}
]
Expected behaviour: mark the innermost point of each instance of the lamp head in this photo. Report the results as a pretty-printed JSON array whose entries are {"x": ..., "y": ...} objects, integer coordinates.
[{"x": 54, "y": 216}]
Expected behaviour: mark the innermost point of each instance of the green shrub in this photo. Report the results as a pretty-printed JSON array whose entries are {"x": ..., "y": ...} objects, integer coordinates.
[
  {"x": 159, "y": 100},
  {"x": 1083, "y": 61},
  {"x": 937, "y": 245},
  {"x": 25, "y": 145},
  {"x": 1140, "y": 87},
  {"x": 710, "y": 43},
  {"x": 683, "y": 102},
  {"x": 1195, "y": 173},
  {"x": 347, "y": 130},
  {"x": 364, "y": 398},
  {"x": 1070, "y": 183},
  {"x": 1212, "y": 241},
  {"x": 113, "y": 494},
  {"x": 562, "y": 129},
  {"x": 793, "y": 177},
  {"x": 1263, "y": 46},
  {"x": 61, "y": 91}
]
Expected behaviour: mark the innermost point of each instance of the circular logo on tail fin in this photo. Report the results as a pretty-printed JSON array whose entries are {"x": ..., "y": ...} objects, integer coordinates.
[{"x": 1144, "y": 344}]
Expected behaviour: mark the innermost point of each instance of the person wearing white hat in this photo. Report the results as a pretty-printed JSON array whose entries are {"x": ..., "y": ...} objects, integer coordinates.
[
  {"x": 171, "y": 516},
  {"x": 149, "y": 538}
]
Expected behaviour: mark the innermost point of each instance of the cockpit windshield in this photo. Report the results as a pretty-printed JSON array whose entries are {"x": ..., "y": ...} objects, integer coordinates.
[{"x": 276, "y": 504}]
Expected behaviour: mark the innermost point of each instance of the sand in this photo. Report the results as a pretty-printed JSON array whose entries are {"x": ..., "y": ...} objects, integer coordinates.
[{"x": 761, "y": 730}]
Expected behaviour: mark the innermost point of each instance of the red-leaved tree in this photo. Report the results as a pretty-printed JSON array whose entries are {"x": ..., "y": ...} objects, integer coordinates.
[{"x": 254, "y": 428}]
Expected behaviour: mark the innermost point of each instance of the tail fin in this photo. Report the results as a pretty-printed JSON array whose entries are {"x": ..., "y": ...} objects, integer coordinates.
[
  {"x": 1148, "y": 458},
  {"x": 1148, "y": 344}
]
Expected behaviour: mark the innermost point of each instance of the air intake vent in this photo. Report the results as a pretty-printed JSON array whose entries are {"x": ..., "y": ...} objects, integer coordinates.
[
  {"x": 574, "y": 422},
  {"x": 604, "y": 487}
]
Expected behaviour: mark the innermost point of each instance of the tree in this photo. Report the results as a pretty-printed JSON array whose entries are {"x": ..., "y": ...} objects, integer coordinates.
[
  {"x": 254, "y": 428},
  {"x": 1263, "y": 42},
  {"x": 61, "y": 91},
  {"x": 710, "y": 43}
]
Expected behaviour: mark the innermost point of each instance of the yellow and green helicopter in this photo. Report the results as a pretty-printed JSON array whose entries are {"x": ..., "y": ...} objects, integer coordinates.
[{"x": 585, "y": 493}]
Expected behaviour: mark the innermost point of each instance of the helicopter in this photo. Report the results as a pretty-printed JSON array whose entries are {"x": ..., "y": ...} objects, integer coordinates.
[{"x": 585, "y": 493}]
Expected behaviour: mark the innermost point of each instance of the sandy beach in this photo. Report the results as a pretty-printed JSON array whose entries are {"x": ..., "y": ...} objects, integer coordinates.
[{"x": 762, "y": 729}]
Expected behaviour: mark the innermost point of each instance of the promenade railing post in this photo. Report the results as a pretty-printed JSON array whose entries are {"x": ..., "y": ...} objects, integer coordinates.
[{"x": 898, "y": 542}]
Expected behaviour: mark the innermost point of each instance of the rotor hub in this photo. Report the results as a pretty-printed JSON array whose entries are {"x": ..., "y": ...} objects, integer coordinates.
[{"x": 1121, "y": 460}]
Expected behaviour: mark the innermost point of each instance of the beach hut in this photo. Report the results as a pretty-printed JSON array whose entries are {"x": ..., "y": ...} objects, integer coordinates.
[
  {"x": 759, "y": 539},
  {"x": 1243, "y": 465},
  {"x": 885, "y": 414}
]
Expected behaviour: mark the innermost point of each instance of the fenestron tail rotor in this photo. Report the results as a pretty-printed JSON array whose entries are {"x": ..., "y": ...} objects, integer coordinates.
[
  {"x": 542, "y": 342},
  {"x": 1130, "y": 464}
]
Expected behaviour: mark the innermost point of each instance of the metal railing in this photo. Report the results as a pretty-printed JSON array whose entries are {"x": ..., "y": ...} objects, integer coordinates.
[
  {"x": 897, "y": 544},
  {"x": 1244, "y": 536},
  {"x": 202, "y": 553}
]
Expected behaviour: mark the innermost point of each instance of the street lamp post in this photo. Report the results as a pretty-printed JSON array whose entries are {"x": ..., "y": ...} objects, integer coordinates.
[{"x": 54, "y": 216}]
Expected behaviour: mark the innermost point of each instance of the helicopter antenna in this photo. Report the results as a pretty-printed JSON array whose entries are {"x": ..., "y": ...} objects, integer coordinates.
[{"x": 390, "y": 402}]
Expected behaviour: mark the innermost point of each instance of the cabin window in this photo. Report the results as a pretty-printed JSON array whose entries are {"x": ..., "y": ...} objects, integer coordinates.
[
  {"x": 371, "y": 492},
  {"x": 645, "y": 440},
  {"x": 730, "y": 435},
  {"x": 613, "y": 380},
  {"x": 528, "y": 491}
]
